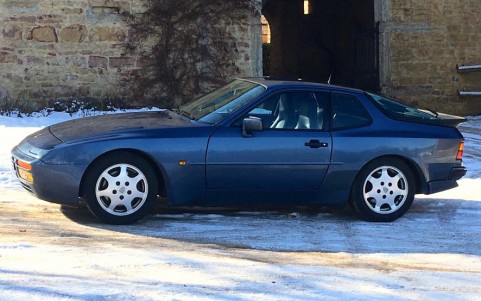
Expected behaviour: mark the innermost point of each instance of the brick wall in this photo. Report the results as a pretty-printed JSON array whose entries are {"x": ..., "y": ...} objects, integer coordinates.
[
  {"x": 62, "y": 48},
  {"x": 423, "y": 43}
]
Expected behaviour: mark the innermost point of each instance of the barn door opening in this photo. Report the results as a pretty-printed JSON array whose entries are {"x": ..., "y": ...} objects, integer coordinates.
[
  {"x": 366, "y": 59},
  {"x": 324, "y": 41}
]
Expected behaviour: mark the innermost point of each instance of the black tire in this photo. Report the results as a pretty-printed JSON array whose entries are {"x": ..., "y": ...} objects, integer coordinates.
[
  {"x": 383, "y": 190},
  {"x": 120, "y": 188}
]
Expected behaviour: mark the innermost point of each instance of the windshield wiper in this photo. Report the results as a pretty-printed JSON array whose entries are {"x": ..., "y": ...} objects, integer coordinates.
[{"x": 184, "y": 113}]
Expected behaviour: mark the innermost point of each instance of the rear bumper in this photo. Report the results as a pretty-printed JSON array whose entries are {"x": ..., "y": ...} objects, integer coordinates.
[
  {"x": 438, "y": 186},
  {"x": 455, "y": 174}
]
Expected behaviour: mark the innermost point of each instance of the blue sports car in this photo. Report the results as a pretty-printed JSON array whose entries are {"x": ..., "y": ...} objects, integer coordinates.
[{"x": 252, "y": 143}]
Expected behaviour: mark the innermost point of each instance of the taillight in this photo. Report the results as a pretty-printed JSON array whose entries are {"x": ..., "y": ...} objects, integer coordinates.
[{"x": 459, "y": 156}]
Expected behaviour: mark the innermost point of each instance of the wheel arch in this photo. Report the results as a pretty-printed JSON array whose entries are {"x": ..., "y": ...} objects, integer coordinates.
[
  {"x": 162, "y": 191},
  {"x": 419, "y": 178}
]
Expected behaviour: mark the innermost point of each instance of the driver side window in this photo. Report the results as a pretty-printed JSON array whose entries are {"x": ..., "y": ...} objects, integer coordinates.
[{"x": 292, "y": 111}]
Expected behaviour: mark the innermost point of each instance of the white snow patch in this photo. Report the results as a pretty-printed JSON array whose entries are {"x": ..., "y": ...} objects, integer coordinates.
[{"x": 432, "y": 253}]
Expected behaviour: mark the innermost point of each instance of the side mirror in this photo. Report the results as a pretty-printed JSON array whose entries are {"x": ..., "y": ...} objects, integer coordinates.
[{"x": 251, "y": 124}]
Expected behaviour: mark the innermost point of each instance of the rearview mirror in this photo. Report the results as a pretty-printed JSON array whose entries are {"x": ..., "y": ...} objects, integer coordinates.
[{"x": 251, "y": 124}]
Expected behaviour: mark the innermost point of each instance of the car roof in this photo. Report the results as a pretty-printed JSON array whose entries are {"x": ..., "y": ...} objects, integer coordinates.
[{"x": 275, "y": 82}]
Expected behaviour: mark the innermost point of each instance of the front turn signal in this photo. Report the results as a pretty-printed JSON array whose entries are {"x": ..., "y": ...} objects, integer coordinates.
[
  {"x": 459, "y": 156},
  {"x": 24, "y": 171},
  {"x": 24, "y": 165}
]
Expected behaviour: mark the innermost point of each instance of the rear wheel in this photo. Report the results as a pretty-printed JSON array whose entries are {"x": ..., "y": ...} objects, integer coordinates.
[
  {"x": 383, "y": 190},
  {"x": 121, "y": 188}
]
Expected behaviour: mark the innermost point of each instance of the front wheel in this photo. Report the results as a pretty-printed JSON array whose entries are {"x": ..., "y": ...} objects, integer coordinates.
[
  {"x": 383, "y": 190},
  {"x": 121, "y": 188}
]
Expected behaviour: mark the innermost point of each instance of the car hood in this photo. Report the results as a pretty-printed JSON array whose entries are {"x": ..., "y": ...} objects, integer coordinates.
[{"x": 115, "y": 123}]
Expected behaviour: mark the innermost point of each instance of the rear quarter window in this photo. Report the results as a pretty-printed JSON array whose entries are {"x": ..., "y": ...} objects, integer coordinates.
[
  {"x": 397, "y": 110},
  {"x": 348, "y": 112}
]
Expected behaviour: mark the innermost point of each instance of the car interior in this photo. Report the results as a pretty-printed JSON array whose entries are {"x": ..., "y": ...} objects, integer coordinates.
[{"x": 291, "y": 111}]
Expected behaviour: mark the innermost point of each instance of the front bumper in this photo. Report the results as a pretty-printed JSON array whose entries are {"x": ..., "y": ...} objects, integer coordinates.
[{"x": 53, "y": 183}]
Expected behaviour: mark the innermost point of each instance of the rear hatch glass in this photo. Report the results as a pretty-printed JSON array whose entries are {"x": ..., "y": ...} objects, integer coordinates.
[{"x": 399, "y": 111}]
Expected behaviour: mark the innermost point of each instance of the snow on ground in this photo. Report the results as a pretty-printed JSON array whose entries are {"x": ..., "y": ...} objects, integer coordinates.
[{"x": 53, "y": 253}]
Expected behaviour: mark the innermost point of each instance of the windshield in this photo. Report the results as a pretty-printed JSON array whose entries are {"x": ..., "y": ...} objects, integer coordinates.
[
  {"x": 396, "y": 109},
  {"x": 220, "y": 103}
]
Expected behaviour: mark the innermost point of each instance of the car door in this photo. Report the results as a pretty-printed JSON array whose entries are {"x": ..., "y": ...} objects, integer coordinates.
[{"x": 291, "y": 153}]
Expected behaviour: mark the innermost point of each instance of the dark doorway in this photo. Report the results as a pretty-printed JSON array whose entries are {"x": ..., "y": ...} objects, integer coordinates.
[{"x": 324, "y": 40}]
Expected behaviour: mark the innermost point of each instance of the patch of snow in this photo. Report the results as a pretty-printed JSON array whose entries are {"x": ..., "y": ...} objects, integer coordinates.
[{"x": 432, "y": 253}]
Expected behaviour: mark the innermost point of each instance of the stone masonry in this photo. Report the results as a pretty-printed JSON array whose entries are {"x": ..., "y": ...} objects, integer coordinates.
[
  {"x": 421, "y": 44},
  {"x": 65, "y": 48}
]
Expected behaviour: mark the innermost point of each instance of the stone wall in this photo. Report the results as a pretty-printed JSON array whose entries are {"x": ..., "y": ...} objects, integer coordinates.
[
  {"x": 64, "y": 48},
  {"x": 421, "y": 44}
]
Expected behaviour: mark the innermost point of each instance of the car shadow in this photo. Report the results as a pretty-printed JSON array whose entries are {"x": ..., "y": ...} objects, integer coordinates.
[{"x": 430, "y": 226}]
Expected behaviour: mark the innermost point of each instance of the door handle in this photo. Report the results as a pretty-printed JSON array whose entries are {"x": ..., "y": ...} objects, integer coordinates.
[{"x": 316, "y": 144}]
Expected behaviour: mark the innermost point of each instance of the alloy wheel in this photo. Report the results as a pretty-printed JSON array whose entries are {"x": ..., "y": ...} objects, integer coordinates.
[
  {"x": 385, "y": 190},
  {"x": 121, "y": 189}
]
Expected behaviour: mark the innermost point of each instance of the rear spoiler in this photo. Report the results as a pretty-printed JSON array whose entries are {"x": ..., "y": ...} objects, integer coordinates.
[
  {"x": 445, "y": 119},
  {"x": 451, "y": 120}
]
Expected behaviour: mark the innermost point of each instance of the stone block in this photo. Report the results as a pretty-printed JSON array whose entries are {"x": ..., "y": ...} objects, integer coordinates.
[
  {"x": 24, "y": 19},
  {"x": 14, "y": 77},
  {"x": 73, "y": 34},
  {"x": 76, "y": 61},
  {"x": 21, "y": 6},
  {"x": 121, "y": 62},
  {"x": 107, "y": 34},
  {"x": 44, "y": 34},
  {"x": 72, "y": 11},
  {"x": 49, "y": 19},
  {"x": 98, "y": 62},
  {"x": 76, "y": 19},
  {"x": 34, "y": 60},
  {"x": 103, "y": 16},
  {"x": 12, "y": 31},
  {"x": 8, "y": 58}
]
